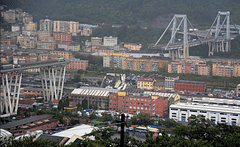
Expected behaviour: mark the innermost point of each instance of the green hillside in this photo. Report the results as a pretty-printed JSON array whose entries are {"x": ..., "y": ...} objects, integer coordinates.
[{"x": 200, "y": 12}]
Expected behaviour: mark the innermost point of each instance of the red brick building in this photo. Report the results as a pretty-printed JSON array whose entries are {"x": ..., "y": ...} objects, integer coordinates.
[
  {"x": 134, "y": 104},
  {"x": 62, "y": 37},
  {"x": 38, "y": 122},
  {"x": 192, "y": 86}
]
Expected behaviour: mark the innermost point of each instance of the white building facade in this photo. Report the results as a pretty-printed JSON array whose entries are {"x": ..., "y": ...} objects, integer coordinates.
[
  {"x": 217, "y": 113},
  {"x": 109, "y": 41}
]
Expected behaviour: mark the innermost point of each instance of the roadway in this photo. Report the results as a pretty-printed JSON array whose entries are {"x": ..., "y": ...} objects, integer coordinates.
[
  {"x": 34, "y": 66},
  {"x": 190, "y": 43}
]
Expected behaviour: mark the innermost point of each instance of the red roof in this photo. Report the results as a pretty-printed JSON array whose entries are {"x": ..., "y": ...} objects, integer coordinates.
[
  {"x": 56, "y": 101},
  {"x": 30, "y": 102},
  {"x": 145, "y": 80}
]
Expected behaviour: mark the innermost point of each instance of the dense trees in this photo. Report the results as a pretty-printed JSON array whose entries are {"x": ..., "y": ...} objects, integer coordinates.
[
  {"x": 125, "y": 12},
  {"x": 199, "y": 132}
]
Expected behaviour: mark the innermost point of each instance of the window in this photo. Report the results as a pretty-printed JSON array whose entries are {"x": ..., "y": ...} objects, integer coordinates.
[
  {"x": 193, "y": 110},
  {"x": 141, "y": 103},
  {"x": 134, "y": 107},
  {"x": 138, "y": 108},
  {"x": 123, "y": 102},
  {"x": 138, "y": 99},
  {"x": 149, "y": 100},
  {"x": 134, "y": 103},
  {"x": 134, "y": 98},
  {"x": 141, "y": 99},
  {"x": 145, "y": 99},
  {"x": 110, "y": 100},
  {"x": 130, "y": 98},
  {"x": 130, "y": 107},
  {"x": 130, "y": 102},
  {"x": 138, "y": 103}
]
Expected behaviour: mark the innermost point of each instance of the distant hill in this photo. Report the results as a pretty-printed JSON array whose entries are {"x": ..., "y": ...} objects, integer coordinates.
[{"x": 201, "y": 12}]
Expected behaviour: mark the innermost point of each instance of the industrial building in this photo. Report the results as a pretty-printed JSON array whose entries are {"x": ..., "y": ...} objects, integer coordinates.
[
  {"x": 217, "y": 113},
  {"x": 98, "y": 96},
  {"x": 189, "y": 86}
]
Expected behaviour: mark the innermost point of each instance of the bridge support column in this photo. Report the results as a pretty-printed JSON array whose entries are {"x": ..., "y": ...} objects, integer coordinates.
[
  {"x": 185, "y": 52},
  {"x": 11, "y": 84},
  {"x": 53, "y": 82},
  {"x": 210, "y": 48},
  {"x": 228, "y": 45}
]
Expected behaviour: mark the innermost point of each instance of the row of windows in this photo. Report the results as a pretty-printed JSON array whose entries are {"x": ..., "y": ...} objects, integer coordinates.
[
  {"x": 136, "y": 103},
  {"x": 138, "y": 99}
]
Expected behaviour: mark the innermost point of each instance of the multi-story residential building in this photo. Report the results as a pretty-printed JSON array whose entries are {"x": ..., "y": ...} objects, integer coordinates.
[
  {"x": 25, "y": 58},
  {"x": 44, "y": 34},
  {"x": 46, "y": 25},
  {"x": 236, "y": 70},
  {"x": 69, "y": 47},
  {"x": 203, "y": 69},
  {"x": 97, "y": 96},
  {"x": 192, "y": 86},
  {"x": 144, "y": 64},
  {"x": 6, "y": 59},
  {"x": 32, "y": 92},
  {"x": 137, "y": 103},
  {"x": 114, "y": 60},
  {"x": 63, "y": 46},
  {"x": 133, "y": 46},
  {"x": 109, "y": 41},
  {"x": 74, "y": 48},
  {"x": 62, "y": 37},
  {"x": 16, "y": 28},
  {"x": 9, "y": 16},
  {"x": 159, "y": 85},
  {"x": 27, "y": 18},
  {"x": 5, "y": 41},
  {"x": 189, "y": 66},
  {"x": 31, "y": 26},
  {"x": 28, "y": 42},
  {"x": 66, "y": 27},
  {"x": 43, "y": 57},
  {"x": 169, "y": 82},
  {"x": 217, "y": 113},
  {"x": 238, "y": 90},
  {"x": 46, "y": 45},
  {"x": 223, "y": 70},
  {"x": 96, "y": 41},
  {"x": 62, "y": 54},
  {"x": 146, "y": 83},
  {"x": 86, "y": 31},
  {"x": 29, "y": 33},
  {"x": 77, "y": 64}
]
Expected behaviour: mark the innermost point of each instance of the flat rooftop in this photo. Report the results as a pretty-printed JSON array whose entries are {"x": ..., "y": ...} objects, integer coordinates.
[
  {"x": 24, "y": 121},
  {"x": 207, "y": 107}
]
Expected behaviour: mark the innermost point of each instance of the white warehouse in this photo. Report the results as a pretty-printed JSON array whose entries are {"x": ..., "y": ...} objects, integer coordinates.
[{"x": 217, "y": 113}]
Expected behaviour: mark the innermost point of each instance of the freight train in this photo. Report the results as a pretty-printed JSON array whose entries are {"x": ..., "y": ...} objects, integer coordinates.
[{"x": 10, "y": 66}]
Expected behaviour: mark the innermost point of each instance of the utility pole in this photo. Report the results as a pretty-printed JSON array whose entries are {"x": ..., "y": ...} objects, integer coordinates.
[{"x": 122, "y": 130}]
